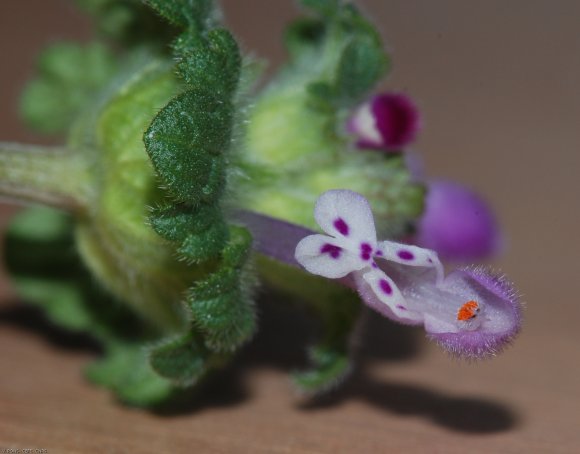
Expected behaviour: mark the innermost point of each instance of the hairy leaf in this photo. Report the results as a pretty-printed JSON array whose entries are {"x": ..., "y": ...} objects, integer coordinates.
[
  {"x": 40, "y": 256},
  {"x": 177, "y": 222},
  {"x": 205, "y": 245},
  {"x": 180, "y": 360},
  {"x": 342, "y": 52},
  {"x": 329, "y": 369},
  {"x": 211, "y": 63},
  {"x": 223, "y": 310},
  {"x": 238, "y": 249},
  {"x": 183, "y": 13},
  {"x": 126, "y": 370},
  {"x": 324, "y": 7},
  {"x": 222, "y": 305},
  {"x": 186, "y": 142},
  {"x": 361, "y": 65},
  {"x": 303, "y": 35},
  {"x": 68, "y": 76},
  {"x": 129, "y": 22}
]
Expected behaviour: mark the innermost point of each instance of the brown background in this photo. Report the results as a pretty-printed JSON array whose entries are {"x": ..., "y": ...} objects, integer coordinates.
[{"x": 498, "y": 84}]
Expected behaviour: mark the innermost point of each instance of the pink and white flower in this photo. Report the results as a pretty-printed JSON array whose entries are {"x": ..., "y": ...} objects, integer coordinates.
[{"x": 470, "y": 312}]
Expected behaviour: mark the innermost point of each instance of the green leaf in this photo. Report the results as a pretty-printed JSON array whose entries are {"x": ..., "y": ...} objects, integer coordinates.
[
  {"x": 54, "y": 278},
  {"x": 48, "y": 272},
  {"x": 186, "y": 142},
  {"x": 323, "y": 7},
  {"x": 205, "y": 245},
  {"x": 238, "y": 249},
  {"x": 129, "y": 22},
  {"x": 211, "y": 63},
  {"x": 362, "y": 64},
  {"x": 322, "y": 96},
  {"x": 177, "y": 222},
  {"x": 126, "y": 370},
  {"x": 339, "y": 56},
  {"x": 40, "y": 224},
  {"x": 62, "y": 300},
  {"x": 183, "y": 13},
  {"x": 181, "y": 360},
  {"x": 68, "y": 77},
  {"x": 39, "y": 256},
  {"x": 302, "y": 35},
  {"x": 222, "y": 308},
  {"x": 330, "y": 368}
]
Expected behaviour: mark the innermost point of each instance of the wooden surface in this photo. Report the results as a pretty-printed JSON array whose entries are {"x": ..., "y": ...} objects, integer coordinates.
[{"x": 498, "y": 84}]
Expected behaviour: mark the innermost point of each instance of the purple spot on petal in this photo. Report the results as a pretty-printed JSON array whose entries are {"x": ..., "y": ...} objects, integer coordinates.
[
  {"x": 366, "y": 248},
  {"x": 365, "y": 251},
  {"x": 403, "y": 308},
  {"x": 429, "y": 260},
  {"x": 405, "y": 255},
  {"x": 380, "y": 253},
  {"x": 374, "y": 265},
  {"x": 386, "y": 287},
  {"x": 331, "y": 249},
  {"x": 341, "y": 226}
]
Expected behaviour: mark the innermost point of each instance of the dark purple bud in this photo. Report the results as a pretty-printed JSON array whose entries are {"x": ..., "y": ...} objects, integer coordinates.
[
  {"x": 457, "y": 223},
  {"x": 388, "y": 122}
]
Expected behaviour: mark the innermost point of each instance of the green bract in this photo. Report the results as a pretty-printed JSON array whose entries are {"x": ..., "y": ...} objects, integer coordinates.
[{"x": 165, "y": 141}]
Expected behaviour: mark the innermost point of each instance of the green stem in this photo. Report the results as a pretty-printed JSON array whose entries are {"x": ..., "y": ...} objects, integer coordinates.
[{"x": 48, "y": 175}]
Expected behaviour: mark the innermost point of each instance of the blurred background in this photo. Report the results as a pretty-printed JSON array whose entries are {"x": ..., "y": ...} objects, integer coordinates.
[{"x": 497, "y": 83}]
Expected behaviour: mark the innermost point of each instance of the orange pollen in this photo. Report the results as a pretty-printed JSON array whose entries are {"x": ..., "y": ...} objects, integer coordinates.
[{"x": 468, "y": 311}]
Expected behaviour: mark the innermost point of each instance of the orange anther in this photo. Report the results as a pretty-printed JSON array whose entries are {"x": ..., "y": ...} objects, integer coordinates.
[{"x": 468, "y": 311}]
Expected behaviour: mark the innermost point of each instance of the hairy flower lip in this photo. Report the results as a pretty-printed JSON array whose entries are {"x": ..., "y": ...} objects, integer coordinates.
[
  {"x": 473, "y": 345},
  {"x": 477, "y": 345}
]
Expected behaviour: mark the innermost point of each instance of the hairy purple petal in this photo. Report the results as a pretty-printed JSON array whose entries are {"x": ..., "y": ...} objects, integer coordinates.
[
  {"x": 457, "y": 223},
  {"x": 502, "y": 319}
]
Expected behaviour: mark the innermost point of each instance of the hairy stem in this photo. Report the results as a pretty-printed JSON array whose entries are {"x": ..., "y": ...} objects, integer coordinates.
[{"x": 48, "y": 175}]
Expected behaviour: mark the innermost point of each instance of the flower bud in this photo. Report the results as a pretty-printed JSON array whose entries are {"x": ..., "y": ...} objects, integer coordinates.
[
  {"x": 457, "y": 223},
  {"x": 388, "y": 122}
]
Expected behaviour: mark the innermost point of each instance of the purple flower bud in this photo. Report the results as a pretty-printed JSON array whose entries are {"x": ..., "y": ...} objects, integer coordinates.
[
  {"x": 388, "y": 122},
  {"x": 457, "y": 223}
]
